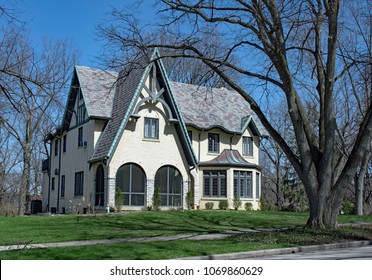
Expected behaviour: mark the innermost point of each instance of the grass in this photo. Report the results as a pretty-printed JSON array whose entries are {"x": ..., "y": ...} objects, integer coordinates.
[{"x": 37, "y": 229}]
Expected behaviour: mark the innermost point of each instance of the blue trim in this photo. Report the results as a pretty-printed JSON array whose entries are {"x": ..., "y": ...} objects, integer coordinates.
[
  {"x": 129, "y": 111},
  {"x": 251, "y": 119},
  {"x": 179, "y": 115}
]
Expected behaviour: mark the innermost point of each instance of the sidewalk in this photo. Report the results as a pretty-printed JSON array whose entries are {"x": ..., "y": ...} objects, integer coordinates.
[{"x": 229, "y": 256}]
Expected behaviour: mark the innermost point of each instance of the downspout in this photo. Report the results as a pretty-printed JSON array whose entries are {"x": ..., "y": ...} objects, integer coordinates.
[
  {"x": 199, "y": 147},
  {"x": 49, "y": 174},
  {"x": 59, "y": 171}
]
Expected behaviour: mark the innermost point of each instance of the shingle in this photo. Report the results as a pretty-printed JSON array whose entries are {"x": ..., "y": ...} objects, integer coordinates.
[
  {"x": 229, "y": 158},
  {"x": 126, "y": 88},
  {"x": 207, "y": 108},
  {"x": 98, "y": 88}
]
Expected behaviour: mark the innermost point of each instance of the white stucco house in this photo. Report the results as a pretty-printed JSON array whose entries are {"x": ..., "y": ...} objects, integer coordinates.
[{"x": 133, "y": 131}]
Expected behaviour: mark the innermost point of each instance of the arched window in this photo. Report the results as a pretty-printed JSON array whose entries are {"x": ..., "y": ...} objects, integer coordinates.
[
  {"x": 131, "y": 180},
  {"x": 100, "y": 187},
  {"x": 169, "y": 179}
]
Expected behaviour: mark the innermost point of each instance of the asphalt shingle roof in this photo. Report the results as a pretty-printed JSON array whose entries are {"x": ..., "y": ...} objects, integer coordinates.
[
  {"x": 207, "y": 108},
  {"x": 125, "y": 90},
  {"x": 98, "y": 88}
]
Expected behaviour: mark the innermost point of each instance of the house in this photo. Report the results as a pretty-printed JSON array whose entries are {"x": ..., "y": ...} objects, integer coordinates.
[{"x": 134, "y": 131}]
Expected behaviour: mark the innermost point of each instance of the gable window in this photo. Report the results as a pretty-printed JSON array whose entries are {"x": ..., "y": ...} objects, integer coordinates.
[
  {"x": 63, "y": 186},
  {"x": 213, "y": 143},
  {"x": 243, "y": 184},
  {"x": 214, "y": 182},
  {"x": 64, "y": 143},
  {"x": 247, "y": 146},
  {"x": 131, "y": 180},
  {"x": 151, "y": 129},
  {"x": 79, "y": 183},
  {"x": 80, "y": 137},
  {"x": 80, "y": 116},
  {"x": 169, "y": 180}
]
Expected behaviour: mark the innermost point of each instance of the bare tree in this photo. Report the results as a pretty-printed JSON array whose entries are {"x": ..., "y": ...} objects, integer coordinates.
[
  {"x": 32, "y": 81},
  {"x": 288, "y": 47}
]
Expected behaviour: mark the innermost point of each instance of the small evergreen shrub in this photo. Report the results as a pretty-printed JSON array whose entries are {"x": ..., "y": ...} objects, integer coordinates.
[
  {"x": 189, "y": 200},
  {"x": 119, "y": 199},
  {"x": 237, "y": 202},
  {"x": 156, "y": 199},
  {"x": 209, "y": 205},
  {"x": 248, "y": 206},
  {"x": 223, "y": 204}
]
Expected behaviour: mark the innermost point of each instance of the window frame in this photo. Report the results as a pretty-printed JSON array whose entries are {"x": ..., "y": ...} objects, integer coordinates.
[
  {"x": 64, "y": 145},
  {"x": 63, "y": 186},
  {"x": 79, "y": 183},
  {"x": 130, "y": 193},
  {"x": 80, "y": 137},
  {"x": 247, "y": 146},
  {"x": 210, "y": 177},
  {"x": 56, "y": 142},
  {"x": 258, "y": 185},
  {"x": 170, "y": 196},
  {"x": 213, "y": 143},
  {"x": 245, "y": 191},
  {"x": 148, "y": 128}
]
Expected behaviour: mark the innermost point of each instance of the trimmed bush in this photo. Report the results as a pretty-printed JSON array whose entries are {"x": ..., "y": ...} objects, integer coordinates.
[
  {"x": 223, "y": 204},
  {"x": 237, "y": 202},
  {"x": 248, "y": 206},
  {"x": 209, "y": 205},
  {"x": 189, "y": 200}
]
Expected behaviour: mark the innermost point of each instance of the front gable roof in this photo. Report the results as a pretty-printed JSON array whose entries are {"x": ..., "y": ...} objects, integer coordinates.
[
  {"x": 97, "y": 87},
  {"x": 128, "y": 89}
]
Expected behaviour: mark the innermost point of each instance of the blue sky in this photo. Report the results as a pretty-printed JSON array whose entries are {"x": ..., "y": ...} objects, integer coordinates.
[{"x": 72, "y": 19}]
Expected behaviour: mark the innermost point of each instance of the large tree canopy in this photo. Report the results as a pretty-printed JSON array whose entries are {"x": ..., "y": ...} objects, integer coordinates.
[{"x": 298, "y": 50}]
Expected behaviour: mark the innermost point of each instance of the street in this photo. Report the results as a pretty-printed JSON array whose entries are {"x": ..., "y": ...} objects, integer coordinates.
[{"x": 354, "y": 253}]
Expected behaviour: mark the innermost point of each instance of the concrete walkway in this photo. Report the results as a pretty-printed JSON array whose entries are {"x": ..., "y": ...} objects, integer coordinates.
[{"x": 212, "y": 236}]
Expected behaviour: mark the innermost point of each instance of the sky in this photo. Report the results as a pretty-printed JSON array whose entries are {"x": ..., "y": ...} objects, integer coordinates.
[{"x": 75, "y": 20}]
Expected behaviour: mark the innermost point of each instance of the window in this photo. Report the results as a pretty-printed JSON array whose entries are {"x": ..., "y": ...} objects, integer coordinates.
[
  {"x": 63, "y": 184},
  {"x": 56, "y": 147},
  {"x": 257, "y": 185},
  {"x": 80, "y": 137},
  {"x": 53, "y": 183},
  {"x": 151, "y": 128},
  {"x": 243, "y": 184},
  {"x": 64, "y": 143},
  {"x": 131, "y": 180},
  {"x": 79, "y": 183},
  {"x": 100, "y": 187},
  {"x": 214, "y": 183},
  {"x": 169, "y": 179},
  {"x": 213, "y": 143},
  {"x": 247, "y": 146},
  {"x": 80, "y": 116}
]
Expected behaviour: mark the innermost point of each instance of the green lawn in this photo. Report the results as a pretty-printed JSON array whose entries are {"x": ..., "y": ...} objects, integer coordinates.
[{"x": 43, "y": 229}]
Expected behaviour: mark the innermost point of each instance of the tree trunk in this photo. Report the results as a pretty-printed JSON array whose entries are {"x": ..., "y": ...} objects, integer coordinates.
[{"x": 359, "y": 184}]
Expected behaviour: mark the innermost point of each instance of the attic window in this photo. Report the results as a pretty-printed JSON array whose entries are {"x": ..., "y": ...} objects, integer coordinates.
[
  {"x": 80, "y": 116},
  {"x": 151, "y": 129}
]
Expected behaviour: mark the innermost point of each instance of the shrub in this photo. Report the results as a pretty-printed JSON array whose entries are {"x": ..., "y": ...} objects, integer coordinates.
[
  {"x": 348, "y": 207},
  {"x": 119, "y": 199},
  {"x": 237, "y": 202},
  {"x": 265, "y": 206},
  {"x": 156, "y": 199},
  {"x": 248, "y": 206},
  {"x": 189, "y": 200},
  {"x": 209, "y": 205},
  {"x": 223, "y": 204}
]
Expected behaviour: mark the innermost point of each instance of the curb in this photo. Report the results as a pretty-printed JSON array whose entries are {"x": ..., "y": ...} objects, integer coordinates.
[{"x": 280, "y": 251}]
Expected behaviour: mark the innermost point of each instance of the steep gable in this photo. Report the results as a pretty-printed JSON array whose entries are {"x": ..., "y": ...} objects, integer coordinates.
[
  {"x": 125, "y": 106},
  {"x": 97, "y": 90}
]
